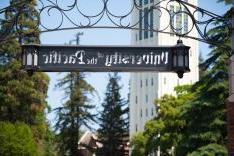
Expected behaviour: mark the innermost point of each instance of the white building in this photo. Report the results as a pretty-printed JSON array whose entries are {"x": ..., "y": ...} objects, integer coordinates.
[{"x": 146, "y": 87}]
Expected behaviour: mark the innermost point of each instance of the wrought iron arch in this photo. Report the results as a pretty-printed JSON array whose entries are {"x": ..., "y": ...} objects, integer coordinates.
[
  {"x": 161, "y": 8},
  {"x": 201, "y": 25}
]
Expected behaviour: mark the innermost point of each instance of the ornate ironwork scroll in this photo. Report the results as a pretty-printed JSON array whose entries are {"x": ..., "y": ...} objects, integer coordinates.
[{"x": 73, "y": 15}]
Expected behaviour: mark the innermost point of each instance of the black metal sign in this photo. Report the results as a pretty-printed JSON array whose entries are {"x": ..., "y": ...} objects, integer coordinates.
[{"x": 97, "y": 58}]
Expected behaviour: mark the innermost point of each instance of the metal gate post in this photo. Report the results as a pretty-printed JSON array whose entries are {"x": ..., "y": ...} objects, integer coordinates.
[{"x": 230, "y": 106}]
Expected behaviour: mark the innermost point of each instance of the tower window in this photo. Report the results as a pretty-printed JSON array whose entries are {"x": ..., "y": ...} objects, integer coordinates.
[
  {"x": 178, "y": 21},
  {"x": 172, "y": 19},
  {"x": 185, "y": 21},
  {"x": 140, "y": 2},
  {"x": 140, "y": 24},
  {"x": 145, "y": 2},
  {"x": 146, "y": 82},
  {"x": 146, "y": 24},
  {"x": 136, "y": 100},
  {"x": 152, "y": 81},
  {"x": 146, "y": 112},
  {"x": 151, "y": 23}
]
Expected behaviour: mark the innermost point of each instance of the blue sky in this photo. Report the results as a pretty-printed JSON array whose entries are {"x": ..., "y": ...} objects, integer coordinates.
[{"x": 101, "y": 37}]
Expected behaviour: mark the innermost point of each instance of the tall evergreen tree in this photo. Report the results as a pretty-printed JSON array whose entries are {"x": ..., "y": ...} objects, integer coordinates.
[
  {"x": 23, "y": 97},
  {"x": 206, "y": 115},
  {"x": 113, "y": 131},
  {"x": 202, "y": 71},
  {"x": 21, "y": 21},
  {"x": 26, "y": 94},
  {"x": 76, "y": 112}
]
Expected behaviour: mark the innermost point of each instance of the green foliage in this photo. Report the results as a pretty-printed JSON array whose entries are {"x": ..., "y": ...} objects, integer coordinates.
[
  {"x": 227, "y": 2},
  {"x": 166, "y": 130},
  {"x": 23, "y": 97},
  {"x": 186, "y": 122},
  {"x": 210, "y": 150},
  {"x": 113, "y": 131},
  {"x": 202, "y": 71},
  {"x": 49, "y": 145},
  {"x": 206, "y": 114},
  {"x": 74, "y": 113},
  {"x": 138, "y": 144},
  {"x": 25, "y": 15},
  {"x": 16, "y": 139}
]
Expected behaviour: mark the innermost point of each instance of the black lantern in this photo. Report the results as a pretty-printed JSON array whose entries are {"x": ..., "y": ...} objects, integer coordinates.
[
  {"x": 180, "y": 59},
  {"x": 30, "y": 58}
]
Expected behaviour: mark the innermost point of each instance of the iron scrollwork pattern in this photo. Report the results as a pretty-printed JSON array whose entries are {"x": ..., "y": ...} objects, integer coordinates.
[{"x": 72, "y": 16}]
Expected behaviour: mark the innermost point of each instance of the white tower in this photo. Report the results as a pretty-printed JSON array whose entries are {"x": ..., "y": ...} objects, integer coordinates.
[{"x": 146, "y": 87}]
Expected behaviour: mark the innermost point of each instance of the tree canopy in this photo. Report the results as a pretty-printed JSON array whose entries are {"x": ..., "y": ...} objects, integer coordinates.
[
  {"x": 23, "y": 97},
  {"x": 75, "y": 112},
  {"x": 113, "y": 131},
  {"x": 17, "y": 139}
]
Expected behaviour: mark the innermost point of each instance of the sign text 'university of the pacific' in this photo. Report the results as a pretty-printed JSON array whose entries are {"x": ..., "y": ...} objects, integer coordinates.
[{"x": 91, "y": 58}]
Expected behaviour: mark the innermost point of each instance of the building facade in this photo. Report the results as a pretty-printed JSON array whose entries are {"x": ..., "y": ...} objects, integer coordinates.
[{"x": 146, "y": 87}]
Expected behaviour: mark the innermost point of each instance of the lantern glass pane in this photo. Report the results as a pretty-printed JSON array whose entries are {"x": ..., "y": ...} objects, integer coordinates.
[
  {"x": 35, "y": 60},
  {"x": 186, "y": 61},
  {"x": 180, "y": 60},
  {"x": 29, "y": 59},
  {"x": 174, "y": 60},
  {"x": 24, "y": 59}
]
